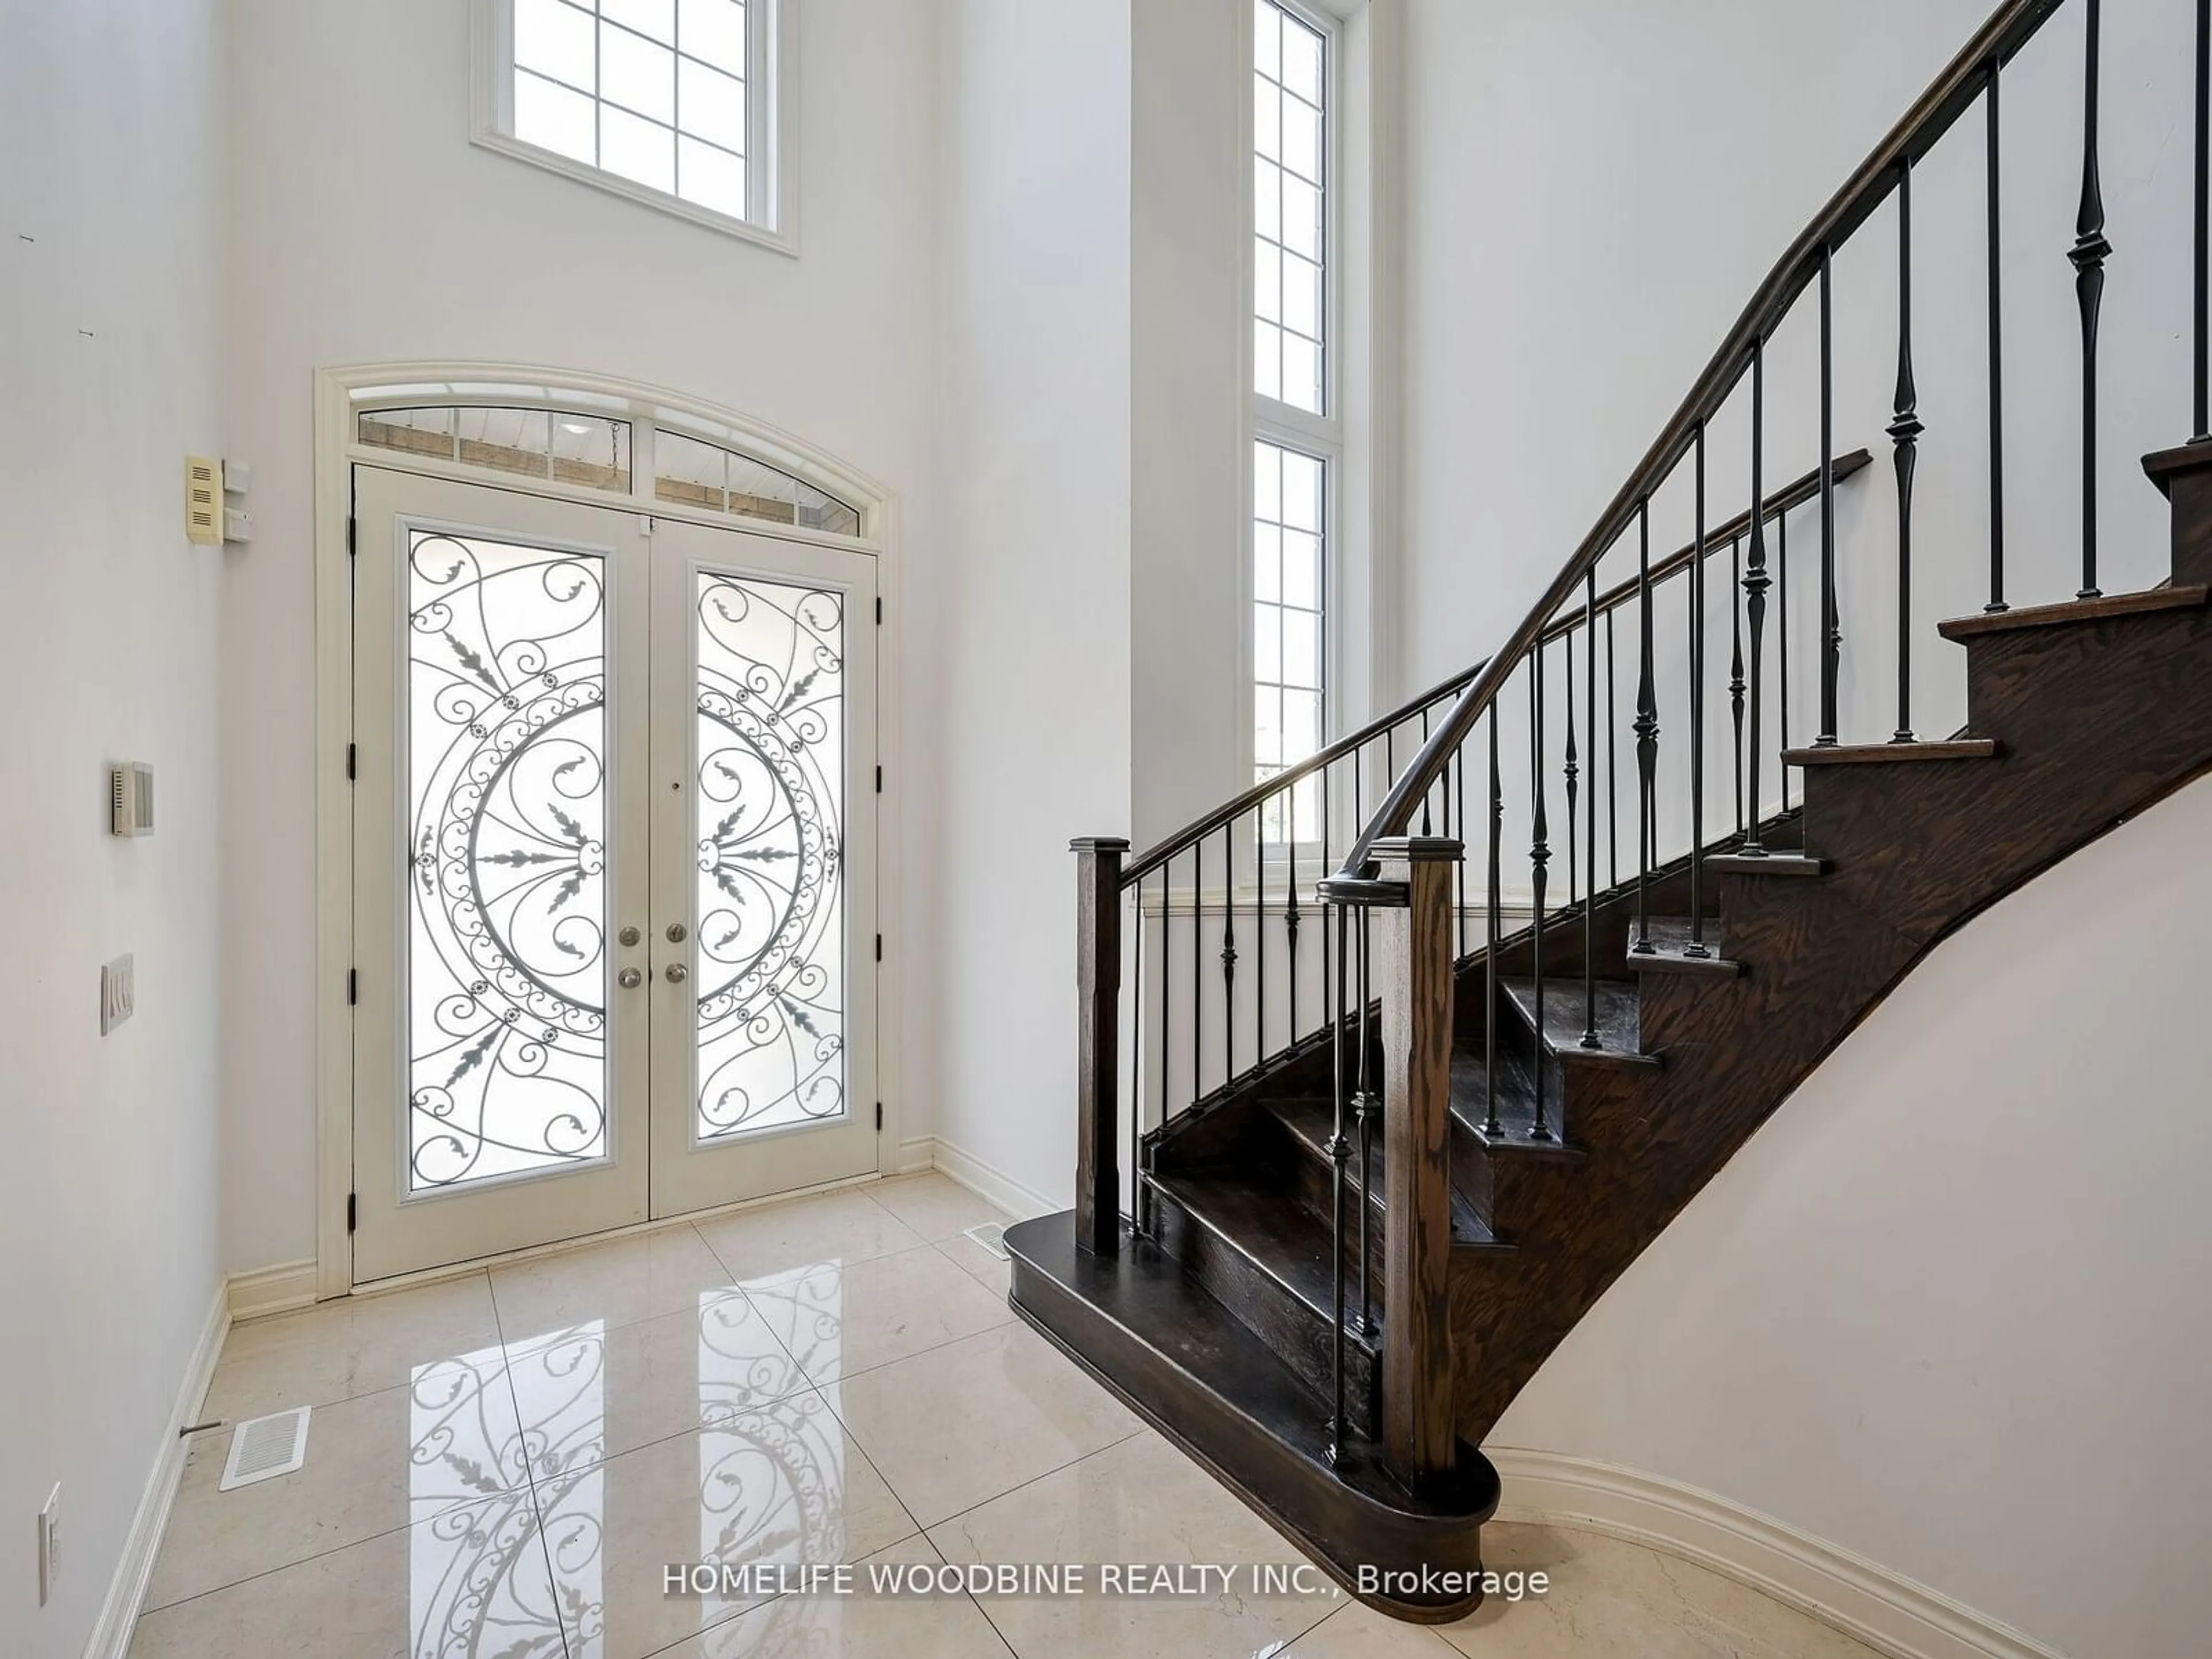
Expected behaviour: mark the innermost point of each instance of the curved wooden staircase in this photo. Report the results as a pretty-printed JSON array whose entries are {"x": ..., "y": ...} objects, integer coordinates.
[{"x": 1331, "y": 1269}]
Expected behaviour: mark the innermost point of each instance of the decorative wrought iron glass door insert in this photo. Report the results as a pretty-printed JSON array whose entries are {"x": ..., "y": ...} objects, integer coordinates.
[
  {"x": 764, "y": 727},
  {"x": 608, "y": 868}
]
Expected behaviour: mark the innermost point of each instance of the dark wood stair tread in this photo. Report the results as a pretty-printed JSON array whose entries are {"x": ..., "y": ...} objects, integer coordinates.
[
  {"x": 1885, "y": 753},
  {"x": 1566, "y": 1012},
  {"x": 1139, "y": 1324},
  {"x": 1670, "y": 943},
  {"x": 1517, "y": 1107},
  {"x": 2169, "y": 598},
  {"x": 1262, "y": 1220},
  {"x": 1787, "y": 862},
  {"x": 1311, "y": 1122}
]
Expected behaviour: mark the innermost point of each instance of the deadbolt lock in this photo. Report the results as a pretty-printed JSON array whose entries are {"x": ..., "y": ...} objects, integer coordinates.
[
  {"x": 629, "y": 936},
  {"x": 676, "y": 933}
]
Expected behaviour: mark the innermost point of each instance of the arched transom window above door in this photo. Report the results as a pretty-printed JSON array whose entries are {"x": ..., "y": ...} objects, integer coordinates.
[{"x": 571, "y": 441}]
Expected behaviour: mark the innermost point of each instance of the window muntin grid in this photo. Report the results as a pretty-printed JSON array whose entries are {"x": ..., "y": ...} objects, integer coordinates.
[
  {"x": 1290, "y": 132},
  {"x": 1289, "y": 584},
  {"x": 653, "y": 91}
]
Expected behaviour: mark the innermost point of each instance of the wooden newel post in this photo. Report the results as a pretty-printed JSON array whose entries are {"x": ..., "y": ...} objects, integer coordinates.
[
  {"x": 1413, "y": 969},
  {"x": 1098, "y": 1045}
]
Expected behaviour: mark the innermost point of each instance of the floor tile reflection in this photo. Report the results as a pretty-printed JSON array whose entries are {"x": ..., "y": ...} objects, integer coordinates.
[
  {"x": 591, "y": 1393},
  {"x": 845, "y": 1225},
  {"x": 470, "y": 1582},
  {"x": 780, "y": 1483},
  {"x": 375, "y": 1464},
  {"x": 840, "y": 1318},
  {"x": 501, "y": 1466}
]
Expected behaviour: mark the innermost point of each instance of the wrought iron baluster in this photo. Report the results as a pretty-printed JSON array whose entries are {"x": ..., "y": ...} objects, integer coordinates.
[
  {"x": 1340, "y": 1149},
  {"x": 1364, "y": 1104},
  {"x": 1573, "y": 773},
  {"x": 1905, "y": 429},
  {"x": 1459, "y": 917},
  {"x": 1260, "y": 930},
  {"x": 1137, "y": 1047},
  {"x": 1755, "y": 584},
  {"x": 1781, "y": 655},
  {"x": 1424, "y": 744},
  {"x": 1228, "y": 957},
  {"x": 1540, "y": 856},
  {"x": 1832, "y": 627},
  {"x": 1589, "y": 909},
  {"x": 1197, "y": 968},
  {"x": 1490, "y": 959},
  {"x": 1996, "y": 359},
  {"x": 2088, "y": 255},
  {"x": 1736, "y": 667},
  {"x": 1327, "y": 1007},
  {"x": 1167, "y": 991},
  {"x": 1647, "y": 737},
  {"x": 1612, "y": 756},
  {"x": 1290, "y": 907},
  {"x": 1697, "y": 947}
]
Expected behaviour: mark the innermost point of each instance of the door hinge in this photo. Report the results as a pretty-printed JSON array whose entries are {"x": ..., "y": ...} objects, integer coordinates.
[
  {"x": 352, "y": 523},
  {"x": 353, "y": 1210},
  {"x": 879, "y": 779},
  {"x": 879, "y": 947},
  {"x": 353, "y": 985},
  {"x": 879, "y": 1117},
  {"x": 350, "y": 763},
  {"x": 880, "y": 612}
]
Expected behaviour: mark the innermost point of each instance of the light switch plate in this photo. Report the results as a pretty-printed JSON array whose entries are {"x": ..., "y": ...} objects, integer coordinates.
[
  {"x": 118, "y": 992},
  {"x": 49, "y": 1544}
]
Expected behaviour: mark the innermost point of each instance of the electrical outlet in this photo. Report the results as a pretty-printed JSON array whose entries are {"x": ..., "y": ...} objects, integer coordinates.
[{"x": 49, "y": 1544}]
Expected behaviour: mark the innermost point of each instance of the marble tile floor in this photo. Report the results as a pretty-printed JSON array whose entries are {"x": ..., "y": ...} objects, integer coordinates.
[{"x": 502, "y": 1465}]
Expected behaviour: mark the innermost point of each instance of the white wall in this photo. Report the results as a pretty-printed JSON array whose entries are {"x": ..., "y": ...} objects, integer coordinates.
[
  {"x": 1034, "y": 618},
  {"x": 110, "y": 206},
  {"x": 365, "y": 227},
  {"x": 1594, "y": 192},
  {"x": 1947, "y": 1308},
  {"x": 1189, "y": 179}
]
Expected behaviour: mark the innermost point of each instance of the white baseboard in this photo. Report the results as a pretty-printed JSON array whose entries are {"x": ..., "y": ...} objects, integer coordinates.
[
  {"x": 1888, "y": 1613},
  {"x": 916, "y": 1156},
  {"x": 993, "y": 1184},
  {"x": 280, "y": 1288},
  {"x": 126, "y": 1589}
]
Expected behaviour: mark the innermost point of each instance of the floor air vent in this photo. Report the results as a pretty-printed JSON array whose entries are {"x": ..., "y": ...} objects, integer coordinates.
[
  {"x": 266, "y": 1447},
  {"x": 992, "y": 1236}
]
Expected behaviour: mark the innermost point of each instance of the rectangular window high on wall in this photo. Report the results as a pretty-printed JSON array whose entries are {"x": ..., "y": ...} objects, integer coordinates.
[
  {"x": 1295, "y": 443},
  {"x": 676, "y": 103}
]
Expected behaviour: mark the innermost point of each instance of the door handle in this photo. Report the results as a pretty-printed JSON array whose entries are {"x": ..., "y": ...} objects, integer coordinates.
[
  {"x": 677, "y": 972},
  {"x": 629, "y": 979}
]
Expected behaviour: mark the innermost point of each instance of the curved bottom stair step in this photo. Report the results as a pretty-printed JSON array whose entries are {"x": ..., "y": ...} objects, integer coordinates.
[{"x": 1137, "y": 1323}]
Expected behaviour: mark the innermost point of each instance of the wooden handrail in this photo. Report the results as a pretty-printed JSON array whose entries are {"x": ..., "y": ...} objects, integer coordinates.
[
  {"x": 2008, "y": 29},
  {"x": 1795, "y": 492}
]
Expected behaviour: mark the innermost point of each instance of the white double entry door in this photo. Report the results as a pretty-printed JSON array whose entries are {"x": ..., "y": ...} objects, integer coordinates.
[{"x": 614, "y": 850}]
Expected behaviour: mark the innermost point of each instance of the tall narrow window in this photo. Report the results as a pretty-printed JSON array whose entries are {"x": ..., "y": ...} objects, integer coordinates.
[
  {"x": 671, "y": 102},
  {"x": 1295, "y": 443}
]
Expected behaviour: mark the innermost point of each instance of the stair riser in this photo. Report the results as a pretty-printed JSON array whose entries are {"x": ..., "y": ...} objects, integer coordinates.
[
  {"x": 1296, "y": 1332},
  {"x": 2191, "y": 491},
  {"x": 1680, "y": 1007},
  {"x": 1315, "y": 1190},
  {"x": 1342, "y": 1522}
]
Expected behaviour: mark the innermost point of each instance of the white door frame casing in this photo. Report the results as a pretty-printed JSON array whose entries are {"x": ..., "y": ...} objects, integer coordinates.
[{"x": 338, "y": 391}]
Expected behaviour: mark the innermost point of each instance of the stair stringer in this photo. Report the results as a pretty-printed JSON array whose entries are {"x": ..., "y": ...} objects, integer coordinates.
[{"x": 2098, "y": 720}]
